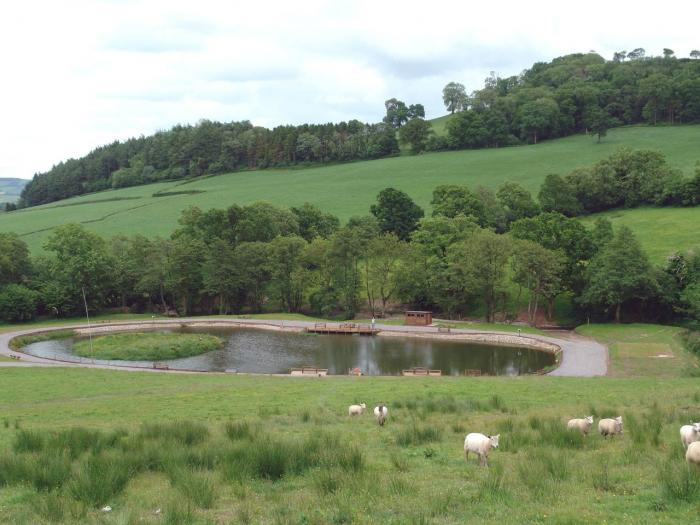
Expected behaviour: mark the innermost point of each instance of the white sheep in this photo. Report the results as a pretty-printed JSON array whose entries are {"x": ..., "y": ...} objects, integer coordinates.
[
  {"x": 692, "y": 455},
  {"x": 610, "y": 427},
  {"x": 582, "y": 425},
  {"x": 481, "y": 445},
  {"x": 380, "y": 413},
  {"x": 356, "y": 410},
  {"x": 690, "y": 433}
]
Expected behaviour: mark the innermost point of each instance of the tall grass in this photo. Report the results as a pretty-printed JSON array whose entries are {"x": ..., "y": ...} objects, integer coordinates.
[
  {"x": 185, "y": 433},
  {"x": 239, "y": 430},
  {"x": 680, "y": 482},
  {"x": 100, "y": 478},
  {"x": 198, "y": 486},
  {"x": 416, "y": 434},
  {"x": 29, "y": 441},
  {"x": 48, "y": 471}
]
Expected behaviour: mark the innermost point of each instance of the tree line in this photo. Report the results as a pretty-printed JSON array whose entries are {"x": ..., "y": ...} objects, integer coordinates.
[
  {"x": 259, "y": 257},
  {"x": 577, "y": 93},
  {"x": 208, "y": 148}
]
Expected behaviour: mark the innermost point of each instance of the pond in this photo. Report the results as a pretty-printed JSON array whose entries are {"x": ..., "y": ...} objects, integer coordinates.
[{"x": 271, "y": 352}]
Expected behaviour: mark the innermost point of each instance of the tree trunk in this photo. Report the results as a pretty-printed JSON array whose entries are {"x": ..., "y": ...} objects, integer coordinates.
[
  {"x": 550, "y": 308},
  {"x": 618, "y": 307}
]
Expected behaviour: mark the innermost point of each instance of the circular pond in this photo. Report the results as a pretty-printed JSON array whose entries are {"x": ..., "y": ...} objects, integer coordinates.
[{"x": 271, "y": 352}]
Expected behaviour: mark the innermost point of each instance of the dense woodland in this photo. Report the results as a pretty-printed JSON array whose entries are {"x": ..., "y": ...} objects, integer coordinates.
[
  {"x": 481, "y": 253},
  {"x": 571, "y": 94}
]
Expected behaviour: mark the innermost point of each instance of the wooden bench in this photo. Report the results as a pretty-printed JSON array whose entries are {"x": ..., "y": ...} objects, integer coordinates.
[
  {"x": 472, "y": 372},
  {"x": 420, "y": 371},
  {"x": 160, "y": 366},
  {"x": 309, "y": 371},
  {"x": 15, "y": 357}
]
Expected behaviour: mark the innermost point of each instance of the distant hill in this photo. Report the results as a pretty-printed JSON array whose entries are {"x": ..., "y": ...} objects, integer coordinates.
[
  {"x": 10, "y": 189},
  {"x": 570, "y": 95},
  {"x": 349, "y": 189}
]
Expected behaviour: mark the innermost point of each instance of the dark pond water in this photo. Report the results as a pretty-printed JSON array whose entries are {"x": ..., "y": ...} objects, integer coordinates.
[{"x": 262, "y": 351}]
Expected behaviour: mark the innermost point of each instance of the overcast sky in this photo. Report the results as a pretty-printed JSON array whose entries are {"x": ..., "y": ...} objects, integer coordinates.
[{"x": 79, "y": 74}]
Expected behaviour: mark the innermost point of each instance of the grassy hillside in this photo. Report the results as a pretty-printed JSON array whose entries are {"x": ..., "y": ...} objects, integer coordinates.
[
  {"x": 346, "y": 189},
  {"x": 661, "y": 231},
  {"x": 10, "y": 189},
  {"x": 240, "y": 449}
]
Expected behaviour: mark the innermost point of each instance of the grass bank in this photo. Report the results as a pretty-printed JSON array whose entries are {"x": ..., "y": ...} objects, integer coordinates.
[
  {"x": 644, "y": 349},
  {"x": 146, "y": 346}
]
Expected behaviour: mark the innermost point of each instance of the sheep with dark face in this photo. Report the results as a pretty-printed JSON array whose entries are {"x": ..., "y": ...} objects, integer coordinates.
[
  {"x": 610, "y": 427},
  {"x": 690, "y": 433},
  {"x": 356, "y": 410},
  {"x": 481, "y": 445},
  {"x": 380, "y": 413}
]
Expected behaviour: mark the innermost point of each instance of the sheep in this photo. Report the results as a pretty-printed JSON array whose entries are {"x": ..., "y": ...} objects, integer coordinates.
[
  {"x": 380, "y": 413},
  {"x": 582, "y": 425},
  {"x": 692, "y": 455},
  {"x": 690, "y": 433},
  {"x": 481, "y": 445},
  {"x": 610, "y": 427},
  {"x": 356, "y": 410}
]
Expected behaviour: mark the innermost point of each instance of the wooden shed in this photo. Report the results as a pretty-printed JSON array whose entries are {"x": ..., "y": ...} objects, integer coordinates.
[{"x": 419, "y": 318}]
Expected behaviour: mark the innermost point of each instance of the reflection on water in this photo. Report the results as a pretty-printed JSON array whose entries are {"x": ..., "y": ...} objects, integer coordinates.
[{"x": 262, "y": 351}]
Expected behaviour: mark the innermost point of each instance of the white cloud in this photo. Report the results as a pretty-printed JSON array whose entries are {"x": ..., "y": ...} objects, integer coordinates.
[{"x": 83, "y": 73}]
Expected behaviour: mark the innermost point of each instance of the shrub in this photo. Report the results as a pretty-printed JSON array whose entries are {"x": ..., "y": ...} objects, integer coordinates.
[{"x": 17, "y": 303}]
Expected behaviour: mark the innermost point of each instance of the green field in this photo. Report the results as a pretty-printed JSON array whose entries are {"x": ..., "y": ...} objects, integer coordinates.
[
  {"x": 661, "y": 231},
  {"x": 244, "y": 449},
  {"x": 346, "y": 189}
]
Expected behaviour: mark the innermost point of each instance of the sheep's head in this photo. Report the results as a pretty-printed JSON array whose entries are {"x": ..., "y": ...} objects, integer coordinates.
[
  {"x": 494, "y": 440},
  {"x": 589, "y": 420},
  {"x": 618, "y": 420},
  {"x": 696, "y": 427},
  {"x": 363, "y": 405}
]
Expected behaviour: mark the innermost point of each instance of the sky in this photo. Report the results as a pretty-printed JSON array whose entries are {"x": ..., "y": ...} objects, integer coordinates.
[{"x": 79, "y": 74}]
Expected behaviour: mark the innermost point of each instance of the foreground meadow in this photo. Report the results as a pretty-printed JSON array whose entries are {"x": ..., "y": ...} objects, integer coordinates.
[{"x": 165, "y": 448}]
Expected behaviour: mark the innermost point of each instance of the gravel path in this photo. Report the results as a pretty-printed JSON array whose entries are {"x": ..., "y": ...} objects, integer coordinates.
[{"x": 581, "y": 357}]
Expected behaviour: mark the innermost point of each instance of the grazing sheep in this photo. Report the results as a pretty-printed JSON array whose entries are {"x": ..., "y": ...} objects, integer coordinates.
[
  {"x": 356, "y": 410},
  {"x": 481, "y": 445},
  {"x": 610, "y": 427},
  {"x": 380, "y": 412},
  {"x": 582, "y": 425},
  {"x": 690, "y": 433},
  {"x": 692, "y": 455}
]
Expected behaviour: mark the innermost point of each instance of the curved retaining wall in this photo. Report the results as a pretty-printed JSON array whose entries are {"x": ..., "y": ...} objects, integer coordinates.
[{"x": 577, "y": 358}]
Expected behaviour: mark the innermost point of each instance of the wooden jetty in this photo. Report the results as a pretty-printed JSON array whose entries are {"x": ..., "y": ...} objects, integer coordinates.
[
  {"x": 342, "y": 328},
  {"x": 420, "y": 371},
  {"x": 309, "y": 371}
]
